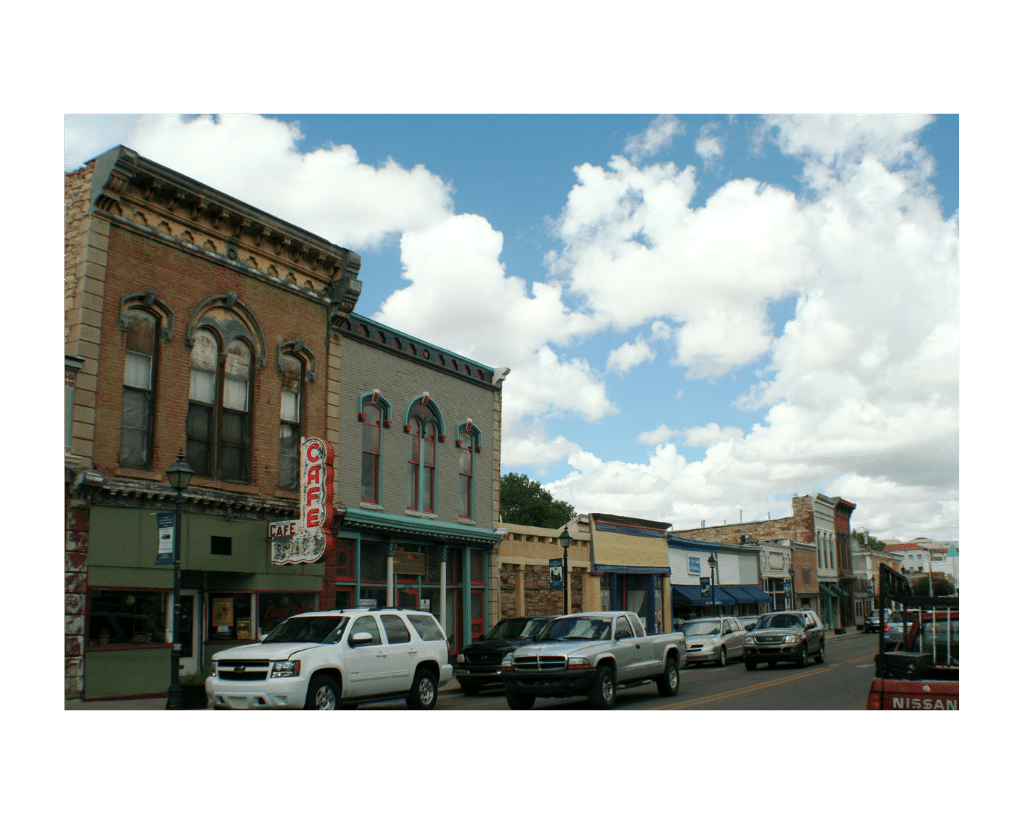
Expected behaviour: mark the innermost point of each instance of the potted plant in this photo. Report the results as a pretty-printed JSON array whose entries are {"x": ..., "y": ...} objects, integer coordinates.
[{"x": 193, "y": 690}]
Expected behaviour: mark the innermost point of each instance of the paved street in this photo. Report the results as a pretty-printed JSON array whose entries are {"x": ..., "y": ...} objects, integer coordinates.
[{"x": 841, "y": 683}]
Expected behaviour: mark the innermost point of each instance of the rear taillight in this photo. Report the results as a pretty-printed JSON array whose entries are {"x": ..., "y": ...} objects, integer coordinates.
[{"x": 874, "y": 701}]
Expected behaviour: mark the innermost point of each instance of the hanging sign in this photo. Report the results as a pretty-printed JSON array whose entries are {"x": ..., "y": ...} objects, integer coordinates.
[
  {"x": 555, "y": 573},
  {"x": 306, "y": 540},
  {"x": 165, "y": 529}
]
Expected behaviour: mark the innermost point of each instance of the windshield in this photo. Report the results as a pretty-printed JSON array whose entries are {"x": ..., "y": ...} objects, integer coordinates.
[
  {"x": 702, "y": 628},
  {"x": 318, "y": 629},
  {"x": 779, "y": 622},
  {"x": 512, "y": 629},
  {"x": 595, "y": 629}
]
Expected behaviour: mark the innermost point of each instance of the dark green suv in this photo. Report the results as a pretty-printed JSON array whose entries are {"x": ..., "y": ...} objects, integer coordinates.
[{"x": 791, "y": 635}]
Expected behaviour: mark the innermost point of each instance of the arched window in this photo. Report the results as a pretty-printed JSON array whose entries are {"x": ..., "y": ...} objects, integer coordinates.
[
  {"x": 291, "y": 421},
  {"x": 137, "y": 390},
  {"x": 218, "y": 427},
  {"x": 423, "y": 430},
  {"x": 371, "y": 453},
  {"x": 468, "y": 443}
]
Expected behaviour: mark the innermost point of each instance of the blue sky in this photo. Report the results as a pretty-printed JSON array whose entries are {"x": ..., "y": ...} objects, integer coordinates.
[{"x": 703, "y": 314}]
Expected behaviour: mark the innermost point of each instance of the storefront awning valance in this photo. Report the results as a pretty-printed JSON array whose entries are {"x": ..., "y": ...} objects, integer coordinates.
[
  {"x": 748, "y": 594},
  {"x": 404, "y": 526},
  {"x": 689, "y": 595},
  {"x": 831, "y": 589}
]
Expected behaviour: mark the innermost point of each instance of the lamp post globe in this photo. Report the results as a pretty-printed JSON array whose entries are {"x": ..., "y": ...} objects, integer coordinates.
[
  {"x": 565, "y": 539},
  {"x": 179, "y": 475}
]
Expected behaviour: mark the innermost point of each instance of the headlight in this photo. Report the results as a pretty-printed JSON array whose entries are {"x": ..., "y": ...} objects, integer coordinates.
[
  {"x": 790, "y": 639},
  {"x": 460, "y": 659},
  {"x": 284, "y": 669},
  {"x": 749, "y": 642},
  {"x": 506, "y": 663},
  {"x": 213, "y": 669},
  {"x": 578, "y": 663}
]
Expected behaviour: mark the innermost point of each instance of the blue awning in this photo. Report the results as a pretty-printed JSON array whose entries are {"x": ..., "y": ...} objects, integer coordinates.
[
  {"x": 748, "y": 594},
  {"x": 689, "y": 595}
]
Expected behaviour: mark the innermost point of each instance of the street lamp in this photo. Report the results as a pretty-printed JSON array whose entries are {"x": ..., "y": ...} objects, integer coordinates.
[
  {"x": 792, "y": 585},
  {"x": 713, "y": 562},
  {"x": 179, "y": 476},
  {"x": 565, "y": 539}
]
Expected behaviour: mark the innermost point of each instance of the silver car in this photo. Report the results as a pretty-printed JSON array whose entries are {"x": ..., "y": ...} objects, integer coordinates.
[{"x": 713, "y": 639}]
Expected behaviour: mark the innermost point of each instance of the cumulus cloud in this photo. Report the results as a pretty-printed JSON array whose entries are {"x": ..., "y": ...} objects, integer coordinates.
[
  {"x": 708, "y": 145},
  {"x": 629, "y": 355},
  {"x": 655, "y": 137},
  {"x": 660, "y": 435}
]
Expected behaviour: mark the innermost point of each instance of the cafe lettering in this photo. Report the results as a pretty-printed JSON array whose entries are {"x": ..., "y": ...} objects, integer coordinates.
[{"x": 305, "y": 541}]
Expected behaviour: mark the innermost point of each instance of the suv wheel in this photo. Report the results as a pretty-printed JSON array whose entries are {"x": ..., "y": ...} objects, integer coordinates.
[
  {"x": 802, "y": 660},
  {"x": 322, "y": 693},
  {"x": 423, "y": 694},
  {"x": 820, "y": 657}
]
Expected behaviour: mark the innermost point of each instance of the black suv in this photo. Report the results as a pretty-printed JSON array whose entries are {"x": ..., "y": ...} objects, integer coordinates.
[
  {"x": 791, "y": 635},
  {"x": 479, "y": 664}
]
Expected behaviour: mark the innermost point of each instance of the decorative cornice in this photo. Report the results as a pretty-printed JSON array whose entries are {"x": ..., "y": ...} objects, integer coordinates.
[{"x": 130, "y": 186}]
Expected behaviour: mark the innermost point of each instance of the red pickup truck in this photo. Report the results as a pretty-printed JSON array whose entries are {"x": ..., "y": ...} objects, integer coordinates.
[{"x": 923, "y": 673}]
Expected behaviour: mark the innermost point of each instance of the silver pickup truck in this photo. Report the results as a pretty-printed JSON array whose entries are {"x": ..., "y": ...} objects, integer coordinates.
[{"x": 592, "y": 654}]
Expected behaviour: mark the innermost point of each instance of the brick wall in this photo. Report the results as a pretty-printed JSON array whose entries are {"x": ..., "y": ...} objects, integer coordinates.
[{"x": 540, "y": 598}]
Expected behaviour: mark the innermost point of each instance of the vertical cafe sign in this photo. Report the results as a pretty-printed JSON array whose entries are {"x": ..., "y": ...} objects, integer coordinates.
[{"x": 306, "y": 540}]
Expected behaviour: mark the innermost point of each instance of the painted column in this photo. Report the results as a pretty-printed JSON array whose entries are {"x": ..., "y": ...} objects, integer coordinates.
[
  {"x": 444, "y": 588},
  {"x": 390, "y": 549}
]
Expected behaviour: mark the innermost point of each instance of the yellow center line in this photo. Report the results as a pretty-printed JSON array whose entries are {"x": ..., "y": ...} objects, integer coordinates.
[{"x": 694, "y": 702}]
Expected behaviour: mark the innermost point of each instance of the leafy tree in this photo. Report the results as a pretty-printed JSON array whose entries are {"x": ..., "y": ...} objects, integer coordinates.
[
  {"x": 526, "y": 502},
  {"x": 940, "y": 586}
]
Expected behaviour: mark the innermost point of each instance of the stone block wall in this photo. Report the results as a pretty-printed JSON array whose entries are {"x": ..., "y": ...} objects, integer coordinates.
[{"x": 539, "y": 598}]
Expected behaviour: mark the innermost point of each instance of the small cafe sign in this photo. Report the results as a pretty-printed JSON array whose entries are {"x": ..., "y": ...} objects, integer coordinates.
[{"x": 306, "y": 540}]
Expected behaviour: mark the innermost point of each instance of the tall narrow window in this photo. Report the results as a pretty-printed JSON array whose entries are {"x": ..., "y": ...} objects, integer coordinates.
[
  {"x": 291, "y": 422},
  {"x": 371, "y": 454},
  {"x": 218, "y": 434},
  {"x": 137, "y": 390},
  {"x": 423, "y": 427},
  {"x": 466, "y": 474}
]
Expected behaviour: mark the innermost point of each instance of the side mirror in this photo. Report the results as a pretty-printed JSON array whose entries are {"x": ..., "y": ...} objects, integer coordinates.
[{"x": 360, "y": 639}]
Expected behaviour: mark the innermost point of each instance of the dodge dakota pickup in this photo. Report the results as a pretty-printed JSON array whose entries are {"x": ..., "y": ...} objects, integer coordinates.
[
  {"x": 592, "y": 654},
  {"x": 923, "y": 672}
]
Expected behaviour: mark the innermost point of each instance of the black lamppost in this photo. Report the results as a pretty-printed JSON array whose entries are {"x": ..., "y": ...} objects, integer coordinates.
[
  {"x": 179, "y": 475},
  {"x": 713, "y": 562},
  {"x": 792, "y": 585},
  {"x": 565, "y": 539}
]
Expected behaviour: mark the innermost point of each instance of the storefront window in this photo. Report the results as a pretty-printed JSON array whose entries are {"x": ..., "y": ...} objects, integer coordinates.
[
  {"x": 373, "y": 562},
  {"x": 373, "y": 597},
  {"x": 274, "y": 607},
  {"x": 120, "y": 616},
  {"x": 231, "y": 617},
  {"x": 476, "y": 566}
]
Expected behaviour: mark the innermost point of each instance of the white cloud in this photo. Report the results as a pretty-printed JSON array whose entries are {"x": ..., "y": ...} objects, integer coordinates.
[
  {"x": 709, "y": 146},
  {"x": 655, "y": 137},
  {"x": 629, "y": 355},
  {"x": 660, "y": 435}
]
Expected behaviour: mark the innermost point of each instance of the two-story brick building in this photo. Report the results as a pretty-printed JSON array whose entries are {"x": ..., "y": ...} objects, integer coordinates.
[{"x": 195, "y": 323}]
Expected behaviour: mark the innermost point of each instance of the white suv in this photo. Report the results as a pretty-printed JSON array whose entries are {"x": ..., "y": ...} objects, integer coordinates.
[{"x": 323, "y": 660}]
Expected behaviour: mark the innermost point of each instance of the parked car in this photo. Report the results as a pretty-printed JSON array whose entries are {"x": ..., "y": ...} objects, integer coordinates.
[
  {"x": 876, "y": 619},
  {"x": 593, "y": 654},
  {"x": 895, "y": 625},
  {"x": 790, "y": 635},
  {"x": 713, "y": 639},
  {"x": 324, "y": 660},
  {"x": 479, "y": 664}
]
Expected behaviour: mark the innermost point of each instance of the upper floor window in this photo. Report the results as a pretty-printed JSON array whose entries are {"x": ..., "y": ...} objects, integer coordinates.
[
  {"x": 468, "y": 443},
  {"x": 218, "y": 427},
  {"x": 370, "y": 485},
  {"x": 291, "y": 422},
  {"x": 137, "y": 389},
  {"x": 423, "y": 430}
]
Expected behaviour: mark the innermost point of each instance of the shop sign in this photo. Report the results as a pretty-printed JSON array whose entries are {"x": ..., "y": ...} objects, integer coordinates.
[
  {"x": 410, "y": 563},
  {"x": 306, "y": 540},
  {"x": 165, "y": 528},
  {"x": 554, "y": 573}
]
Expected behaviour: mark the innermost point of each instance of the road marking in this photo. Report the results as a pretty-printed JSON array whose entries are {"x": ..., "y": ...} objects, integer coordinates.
[{"x": 694, "y": 702}]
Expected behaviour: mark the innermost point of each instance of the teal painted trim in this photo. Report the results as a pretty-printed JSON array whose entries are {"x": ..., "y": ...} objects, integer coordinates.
[
  {"x": 382, "y": 402},
  {"x": 433, "y": 407},
  {"x": 407, "y": 338},
  {"x": 467, "y": 598}
]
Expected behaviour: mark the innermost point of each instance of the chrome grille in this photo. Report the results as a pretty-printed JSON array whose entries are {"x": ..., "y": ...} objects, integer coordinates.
[{"x": 539, "y": 663}]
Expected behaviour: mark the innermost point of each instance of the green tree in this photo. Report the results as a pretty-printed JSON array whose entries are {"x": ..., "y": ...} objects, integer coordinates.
[
  {"x": 940, "y": 586},
  {"x": 526, "y": 502},
  {"x": 867, "y": 541}
]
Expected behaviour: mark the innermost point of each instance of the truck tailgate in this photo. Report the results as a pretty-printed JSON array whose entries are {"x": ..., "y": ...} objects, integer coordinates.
[{"x": 889, "y": 694}]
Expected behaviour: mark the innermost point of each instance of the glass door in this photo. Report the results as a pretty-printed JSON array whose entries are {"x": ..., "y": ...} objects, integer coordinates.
[{"x": 191, "y": 644}]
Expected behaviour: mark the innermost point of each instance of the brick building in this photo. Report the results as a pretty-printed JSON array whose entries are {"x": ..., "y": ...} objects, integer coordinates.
[
  {"x": 197, "y": 323},
  {"x": 525, "y": 579},
  {"x": 818, "y": 540}
]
